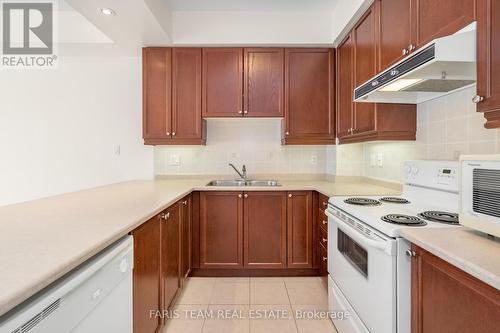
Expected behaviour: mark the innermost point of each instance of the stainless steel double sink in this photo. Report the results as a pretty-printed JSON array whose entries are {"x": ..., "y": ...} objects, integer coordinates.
[{"x": 242, "y": 183}]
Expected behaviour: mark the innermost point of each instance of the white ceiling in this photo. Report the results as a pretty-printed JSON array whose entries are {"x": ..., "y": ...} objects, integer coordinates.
[{"x": 251, "y": 5}]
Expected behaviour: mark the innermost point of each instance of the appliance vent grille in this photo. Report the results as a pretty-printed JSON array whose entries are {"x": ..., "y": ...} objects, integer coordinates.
[
  {"x": 486, "y": 192},
  {"x": 38, "y": 318}
]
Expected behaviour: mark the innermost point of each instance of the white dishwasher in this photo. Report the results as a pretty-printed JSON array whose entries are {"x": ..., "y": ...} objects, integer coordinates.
[{"x": 96, "y": 297}]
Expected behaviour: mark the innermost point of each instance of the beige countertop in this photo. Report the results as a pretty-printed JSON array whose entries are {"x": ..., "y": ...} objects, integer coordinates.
[
  {"x": 469, "y": 250},
  {"x": 44, "y": 239}
]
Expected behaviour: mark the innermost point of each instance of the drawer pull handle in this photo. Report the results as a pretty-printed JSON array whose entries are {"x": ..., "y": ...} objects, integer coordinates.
[
  {"x": 325, "y": 258},
  {"x": 325, "y": 222},
  {"x": 325, "y": 240}
]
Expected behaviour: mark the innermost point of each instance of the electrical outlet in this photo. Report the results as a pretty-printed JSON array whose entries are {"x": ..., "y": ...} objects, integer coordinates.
[
  {"x": 314, "y": 160},
  {"x": 175, "y": 160},
  {"x": 117, "y": 150},
  {"x": 380, "y": 160}
]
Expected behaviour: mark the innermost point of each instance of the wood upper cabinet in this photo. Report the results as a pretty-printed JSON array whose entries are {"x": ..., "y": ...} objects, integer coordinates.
[
  {"x": 222, "y": 88},
  {"x": 170, "y": 254},
  {"x": 187, "y": 124},
  {"x": 265, "y": 229},
  {"x": 157, "y": 78},
  {"x": 172, "y": 96},
  {"x": 433, "y": 19},
  {"x": 309, "y": 96},
  {"x": 445, "y": 299},
  {"x": 345, "y": 86},
  {"x": 394, "y": 32},
  {"x": 365, "y": 67},
  {"x": 263, "y": 82},
  {"x": 488, "y": 61},
  {"x": 299, "y": 229},
  {"x": 146, "y": 276},
  {"x": 221, "y": 229},
  {"x": 186, "y": 236}
]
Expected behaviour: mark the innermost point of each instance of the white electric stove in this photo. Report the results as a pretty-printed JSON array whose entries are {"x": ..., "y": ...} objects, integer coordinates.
[{"x": 369, "y": 264}]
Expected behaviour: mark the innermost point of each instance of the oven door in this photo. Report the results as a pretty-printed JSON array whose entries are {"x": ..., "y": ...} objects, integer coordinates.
[{"x": 364, "y": 269}]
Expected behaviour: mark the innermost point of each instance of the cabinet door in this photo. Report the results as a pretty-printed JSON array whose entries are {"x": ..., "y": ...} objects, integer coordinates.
[
  {"x": 365, "y": 67},
  {"x": 170, "y": 254},
  {"x": 265, "y": 229},
  {"x": 263, "y": 82},
  {"x": 300, "y": 229},
  {"x": 222, "y": 88},
  {"x": 445, "y": 299},
  {"x": 488, "y": 61},
  {"x": 433, "y": 19},
  {"x": 186, "y": 218},
  {"x": 186, "y": 93},
  {"x": 394, "y": 31},
  {"x": 156, "y": 69},
  {"x": 221, "y": 229},
  {"x": 309, "y": 100},
  {"x": 146, "y": 276},
  {"x": 345, "y": 86}
]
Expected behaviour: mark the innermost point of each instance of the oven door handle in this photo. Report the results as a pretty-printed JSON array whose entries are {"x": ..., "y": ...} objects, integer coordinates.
[{"x": 387, "y": 246}]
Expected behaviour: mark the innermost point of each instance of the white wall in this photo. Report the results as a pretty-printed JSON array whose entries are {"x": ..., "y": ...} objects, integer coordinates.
[
  {"x": 345, "y": 14},
  {"x": 58, "y": 127},
  {"x": 247, "y": 27},
  {"x": 253, "y": 142},
  {"x": 446, "y": 127}
]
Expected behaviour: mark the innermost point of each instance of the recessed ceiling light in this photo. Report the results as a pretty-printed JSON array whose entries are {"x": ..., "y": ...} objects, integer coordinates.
[{"x": 108, "y": 12}]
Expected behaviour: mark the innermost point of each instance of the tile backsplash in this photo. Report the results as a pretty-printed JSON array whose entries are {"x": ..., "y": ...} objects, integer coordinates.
[
  {"x": 446, "y": 128},
  {"x": 253, "y": 142}
]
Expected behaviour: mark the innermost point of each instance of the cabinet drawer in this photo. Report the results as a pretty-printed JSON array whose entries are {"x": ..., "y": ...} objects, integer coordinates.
[
  {"x": 323, "y": 237},
  {"x": 323, "y": 260},
  {"x": 323, "y": 202},
  {"x": 322, "y": 220}
]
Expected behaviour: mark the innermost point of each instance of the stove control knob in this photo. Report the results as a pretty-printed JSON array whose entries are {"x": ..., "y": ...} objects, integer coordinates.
[
  {"x": 415, "y": 170},
  {"x": 408, "y": 169}
]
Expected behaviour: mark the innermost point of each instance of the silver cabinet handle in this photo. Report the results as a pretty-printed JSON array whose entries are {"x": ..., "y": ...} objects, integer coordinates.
[
  {"x": 411, "y": 48},
  {"x": 240, "y": 112},
  {"x": 246, "y": 195},
  {"x": 165, "y": 216},
  {"x": 245, "y": 112},
  {"x": 240, "y": 196},
  {"x": 405, "y": 52},
  {"x": 287, "y": 133},
  {"x": 410, "y": 253},
  {"x": 325, "y": 240},
  {"x": 325, "y": 222},
  {"x": 185, "y": 202},
  {"x": 173, "y": 133},
  {"x": 168, "y": 133},
  {"x": 324, "y": 204},
  {"x": 290, "y": 195},
  {"x": 325, "y": 258},
  {"x": 477, "y": 99}
]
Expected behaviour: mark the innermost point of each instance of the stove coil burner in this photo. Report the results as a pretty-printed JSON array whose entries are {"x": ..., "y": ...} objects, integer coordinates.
[
  {"x": 441, "y": 217},
  {"x": 407, "y": 220},
  {"x": 362, "y": 202},
  {"x": 395, "y": 200}
]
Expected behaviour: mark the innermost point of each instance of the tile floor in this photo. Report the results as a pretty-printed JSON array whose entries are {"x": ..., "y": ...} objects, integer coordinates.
[{"x": 242, "y": 305}]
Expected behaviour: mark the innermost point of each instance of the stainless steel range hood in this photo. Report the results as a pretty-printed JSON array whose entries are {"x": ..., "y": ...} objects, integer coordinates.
[{"x": 441, "y": 67}]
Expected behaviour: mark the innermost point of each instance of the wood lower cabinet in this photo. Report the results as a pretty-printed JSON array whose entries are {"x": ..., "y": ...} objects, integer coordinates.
[
  {"x": 433, "y": 19},
  {"x": 263, "y": 82},
  {"x": 299, "y": 229},
  {"x": 488, "y": 61},
  {"x": 321, "y": 226},
  {"x": 170, "y": 254},
  {"x": 265, "y": 229},
  {"x": 445, "y": 299},
  {"x": 186, "y": 236},
  {"x": 222, "y": 88},
  {"x": 221, "y": 229},
  {"x": 309, "y": 96},
  {"x": 146, "y": 276}
]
